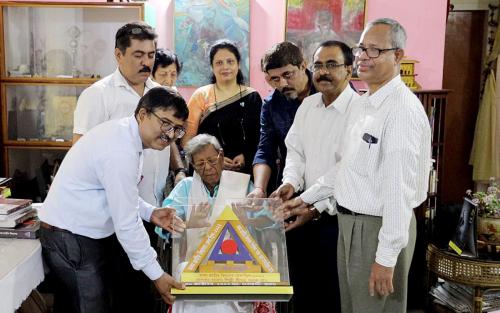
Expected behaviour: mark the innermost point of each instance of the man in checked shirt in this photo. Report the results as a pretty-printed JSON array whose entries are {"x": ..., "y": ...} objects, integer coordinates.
[{"x": 382, "y": 177}]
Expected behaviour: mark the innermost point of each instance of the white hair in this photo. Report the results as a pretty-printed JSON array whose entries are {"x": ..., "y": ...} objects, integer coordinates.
[
  {"x": 398, "y": 33},
  {"x": 198, "y": 143}
]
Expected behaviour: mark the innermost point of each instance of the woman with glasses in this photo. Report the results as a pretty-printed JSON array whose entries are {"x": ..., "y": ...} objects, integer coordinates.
[
  {"x": 195, "y": 201},
  {"x": 227, "y": 109}
]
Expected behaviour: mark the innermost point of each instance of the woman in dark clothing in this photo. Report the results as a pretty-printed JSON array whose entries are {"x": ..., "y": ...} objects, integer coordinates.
[{"x": 227, "y": 109}]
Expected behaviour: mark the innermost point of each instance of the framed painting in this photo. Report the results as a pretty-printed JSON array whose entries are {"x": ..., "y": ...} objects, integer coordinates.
[
  {"x": 198, "y": 24},
  {"x": 310, "y": 22}
]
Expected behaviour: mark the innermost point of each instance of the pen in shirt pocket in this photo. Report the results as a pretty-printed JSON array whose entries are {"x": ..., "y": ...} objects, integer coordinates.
[{"x": 370, "y": 139}]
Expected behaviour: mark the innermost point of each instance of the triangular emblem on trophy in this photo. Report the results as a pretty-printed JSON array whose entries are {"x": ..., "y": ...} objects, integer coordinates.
[{"x": 229, "y": 249}]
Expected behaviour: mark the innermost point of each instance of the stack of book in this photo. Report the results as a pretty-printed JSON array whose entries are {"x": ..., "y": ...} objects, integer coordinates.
[{"x": 18, "y": 219}]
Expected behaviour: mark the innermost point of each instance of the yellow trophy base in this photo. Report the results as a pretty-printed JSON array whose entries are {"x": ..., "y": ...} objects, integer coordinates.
[{"x": 238, "y": 293}]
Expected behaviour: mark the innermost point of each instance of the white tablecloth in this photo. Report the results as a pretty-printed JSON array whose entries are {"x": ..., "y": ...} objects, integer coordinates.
[{"x": 21, "y": 270}]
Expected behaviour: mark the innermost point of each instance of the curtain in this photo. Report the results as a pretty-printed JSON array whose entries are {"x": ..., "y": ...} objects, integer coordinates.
[{"x": 485, "y": 154}]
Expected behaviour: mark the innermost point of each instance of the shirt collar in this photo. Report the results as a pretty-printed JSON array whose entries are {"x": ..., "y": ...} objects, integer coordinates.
[
  {"x": 216, "y": 191},
  {"x": 342, "y": 102},
  {"x": 134, "y": 130},
  {"x": 120, "y": 81},
  {"x": 379, "y": 96}
]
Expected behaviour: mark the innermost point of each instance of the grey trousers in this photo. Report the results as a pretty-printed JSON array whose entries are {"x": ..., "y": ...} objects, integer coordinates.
[{"x": 356, "y": 248}]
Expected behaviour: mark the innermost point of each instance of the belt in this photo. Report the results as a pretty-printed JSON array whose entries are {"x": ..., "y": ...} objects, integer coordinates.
[
  {"x": 52, "y": 228},
  {"x": 343, "y": 210}
]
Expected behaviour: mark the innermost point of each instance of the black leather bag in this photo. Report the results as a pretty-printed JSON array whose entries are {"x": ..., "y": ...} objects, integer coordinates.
[{"x": 464, "y": 241}]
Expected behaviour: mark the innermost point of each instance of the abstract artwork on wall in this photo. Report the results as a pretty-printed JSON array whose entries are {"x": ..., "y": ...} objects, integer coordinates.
[
  {"x": 310, "y": 22},
  {"x": 198, "y": 24}
]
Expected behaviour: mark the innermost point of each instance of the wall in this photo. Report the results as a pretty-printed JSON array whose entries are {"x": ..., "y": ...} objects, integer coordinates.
[{"x": 424, "y": 20}]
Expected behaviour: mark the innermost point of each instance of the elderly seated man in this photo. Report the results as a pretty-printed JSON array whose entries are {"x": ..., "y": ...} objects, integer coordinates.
[{"x": 199, "y": 200}]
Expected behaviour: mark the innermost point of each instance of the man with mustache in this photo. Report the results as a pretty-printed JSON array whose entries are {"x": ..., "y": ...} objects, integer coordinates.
[
  {"x": 383, "y": 176},
  {"x": 286, "y": 71},
  {"x": 314, "y": 145},
  {"x": 94, "y": 199},
  {"x": 116, "y": 96}
]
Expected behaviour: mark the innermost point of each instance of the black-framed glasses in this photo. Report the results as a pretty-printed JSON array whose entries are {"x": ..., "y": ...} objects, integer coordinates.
[
  {"x": 201, "y": 165},
  {"x": 329, "y": 66},
  {"x": 168, "y": 127},
  {"x": 370, "y": 52},
  {"x": 286, "y": 76}
]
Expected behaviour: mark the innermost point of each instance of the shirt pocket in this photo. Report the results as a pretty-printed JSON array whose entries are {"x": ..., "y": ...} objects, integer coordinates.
[{"x": 366, "y": 158}]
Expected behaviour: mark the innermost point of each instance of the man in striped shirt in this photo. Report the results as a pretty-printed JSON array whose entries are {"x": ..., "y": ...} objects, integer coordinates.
[{"x": 382, "y": 176}]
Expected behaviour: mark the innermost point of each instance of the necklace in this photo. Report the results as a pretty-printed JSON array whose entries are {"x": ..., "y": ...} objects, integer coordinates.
[{"x": 242, "y": 103}]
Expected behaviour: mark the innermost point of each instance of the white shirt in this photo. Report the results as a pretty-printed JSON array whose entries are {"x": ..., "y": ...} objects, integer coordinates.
[
  {"x": 113, "y": 98},
  {"x": 314, "y": 141},
  {"x": 389, "y": 177},
  {"x": 95, "y": 194}
]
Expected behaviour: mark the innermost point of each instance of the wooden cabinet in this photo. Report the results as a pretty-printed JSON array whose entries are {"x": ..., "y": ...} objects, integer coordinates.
[
  {"x": 434, "y": 102},
  {"x": 50, "y": 52}
]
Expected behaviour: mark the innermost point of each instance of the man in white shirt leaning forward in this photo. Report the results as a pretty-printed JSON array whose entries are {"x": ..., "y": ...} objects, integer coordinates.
[{"x": 95, "y": 196}]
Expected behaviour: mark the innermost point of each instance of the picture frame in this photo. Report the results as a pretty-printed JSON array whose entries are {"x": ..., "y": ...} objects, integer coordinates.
[
  {"x": 310, "y": 22},
  {"x": 198, "y": 24}
]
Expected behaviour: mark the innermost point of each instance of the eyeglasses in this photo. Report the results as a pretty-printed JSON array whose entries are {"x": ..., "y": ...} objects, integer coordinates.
[
  {"x": 370, "y": 52},
  {"x": 201, "y": 165},
  {"x": 316, "y": 67},
  {"x": 168, "y": 127},
  {"x": 286, "y": 76}
]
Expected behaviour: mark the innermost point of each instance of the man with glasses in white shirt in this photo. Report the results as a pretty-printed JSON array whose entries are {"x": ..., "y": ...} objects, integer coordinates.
[
  {"x": 382, "y": 177},
  {"x": 314, "y": 144},
  {"x": 116, "y": 96},
  {"x": 94, "y": 201}
]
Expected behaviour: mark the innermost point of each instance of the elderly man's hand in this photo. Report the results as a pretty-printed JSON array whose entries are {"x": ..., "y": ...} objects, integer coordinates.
[
  {"x": 199, "y": 216},
  {"x": 284, "y": 192},
  {"x": 167, "y": 219},
  {"x": 381, "y": 280},
  {"x": 293, "y": 207},
  {"x": 303, "y": 214},
  {"x": 164, "y": 285}
]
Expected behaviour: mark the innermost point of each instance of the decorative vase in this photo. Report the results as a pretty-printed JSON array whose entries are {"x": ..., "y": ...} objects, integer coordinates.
[{"x": 488, "y": 229}]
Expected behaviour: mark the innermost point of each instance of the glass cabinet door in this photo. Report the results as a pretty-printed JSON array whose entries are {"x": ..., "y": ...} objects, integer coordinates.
[
  {"x": 61, "y": 41},
  {"x": 32, "y": 170},
  {"x": 40, "y": 114}
]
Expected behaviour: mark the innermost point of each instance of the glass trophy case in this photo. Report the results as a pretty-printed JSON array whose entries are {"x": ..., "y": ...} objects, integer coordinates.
[
  {"x": 49, "y": 53},
  {"x": 65, "y": 41},
  {"x": 39, "y": 114},
  {"x": 232, "y": 249}
]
